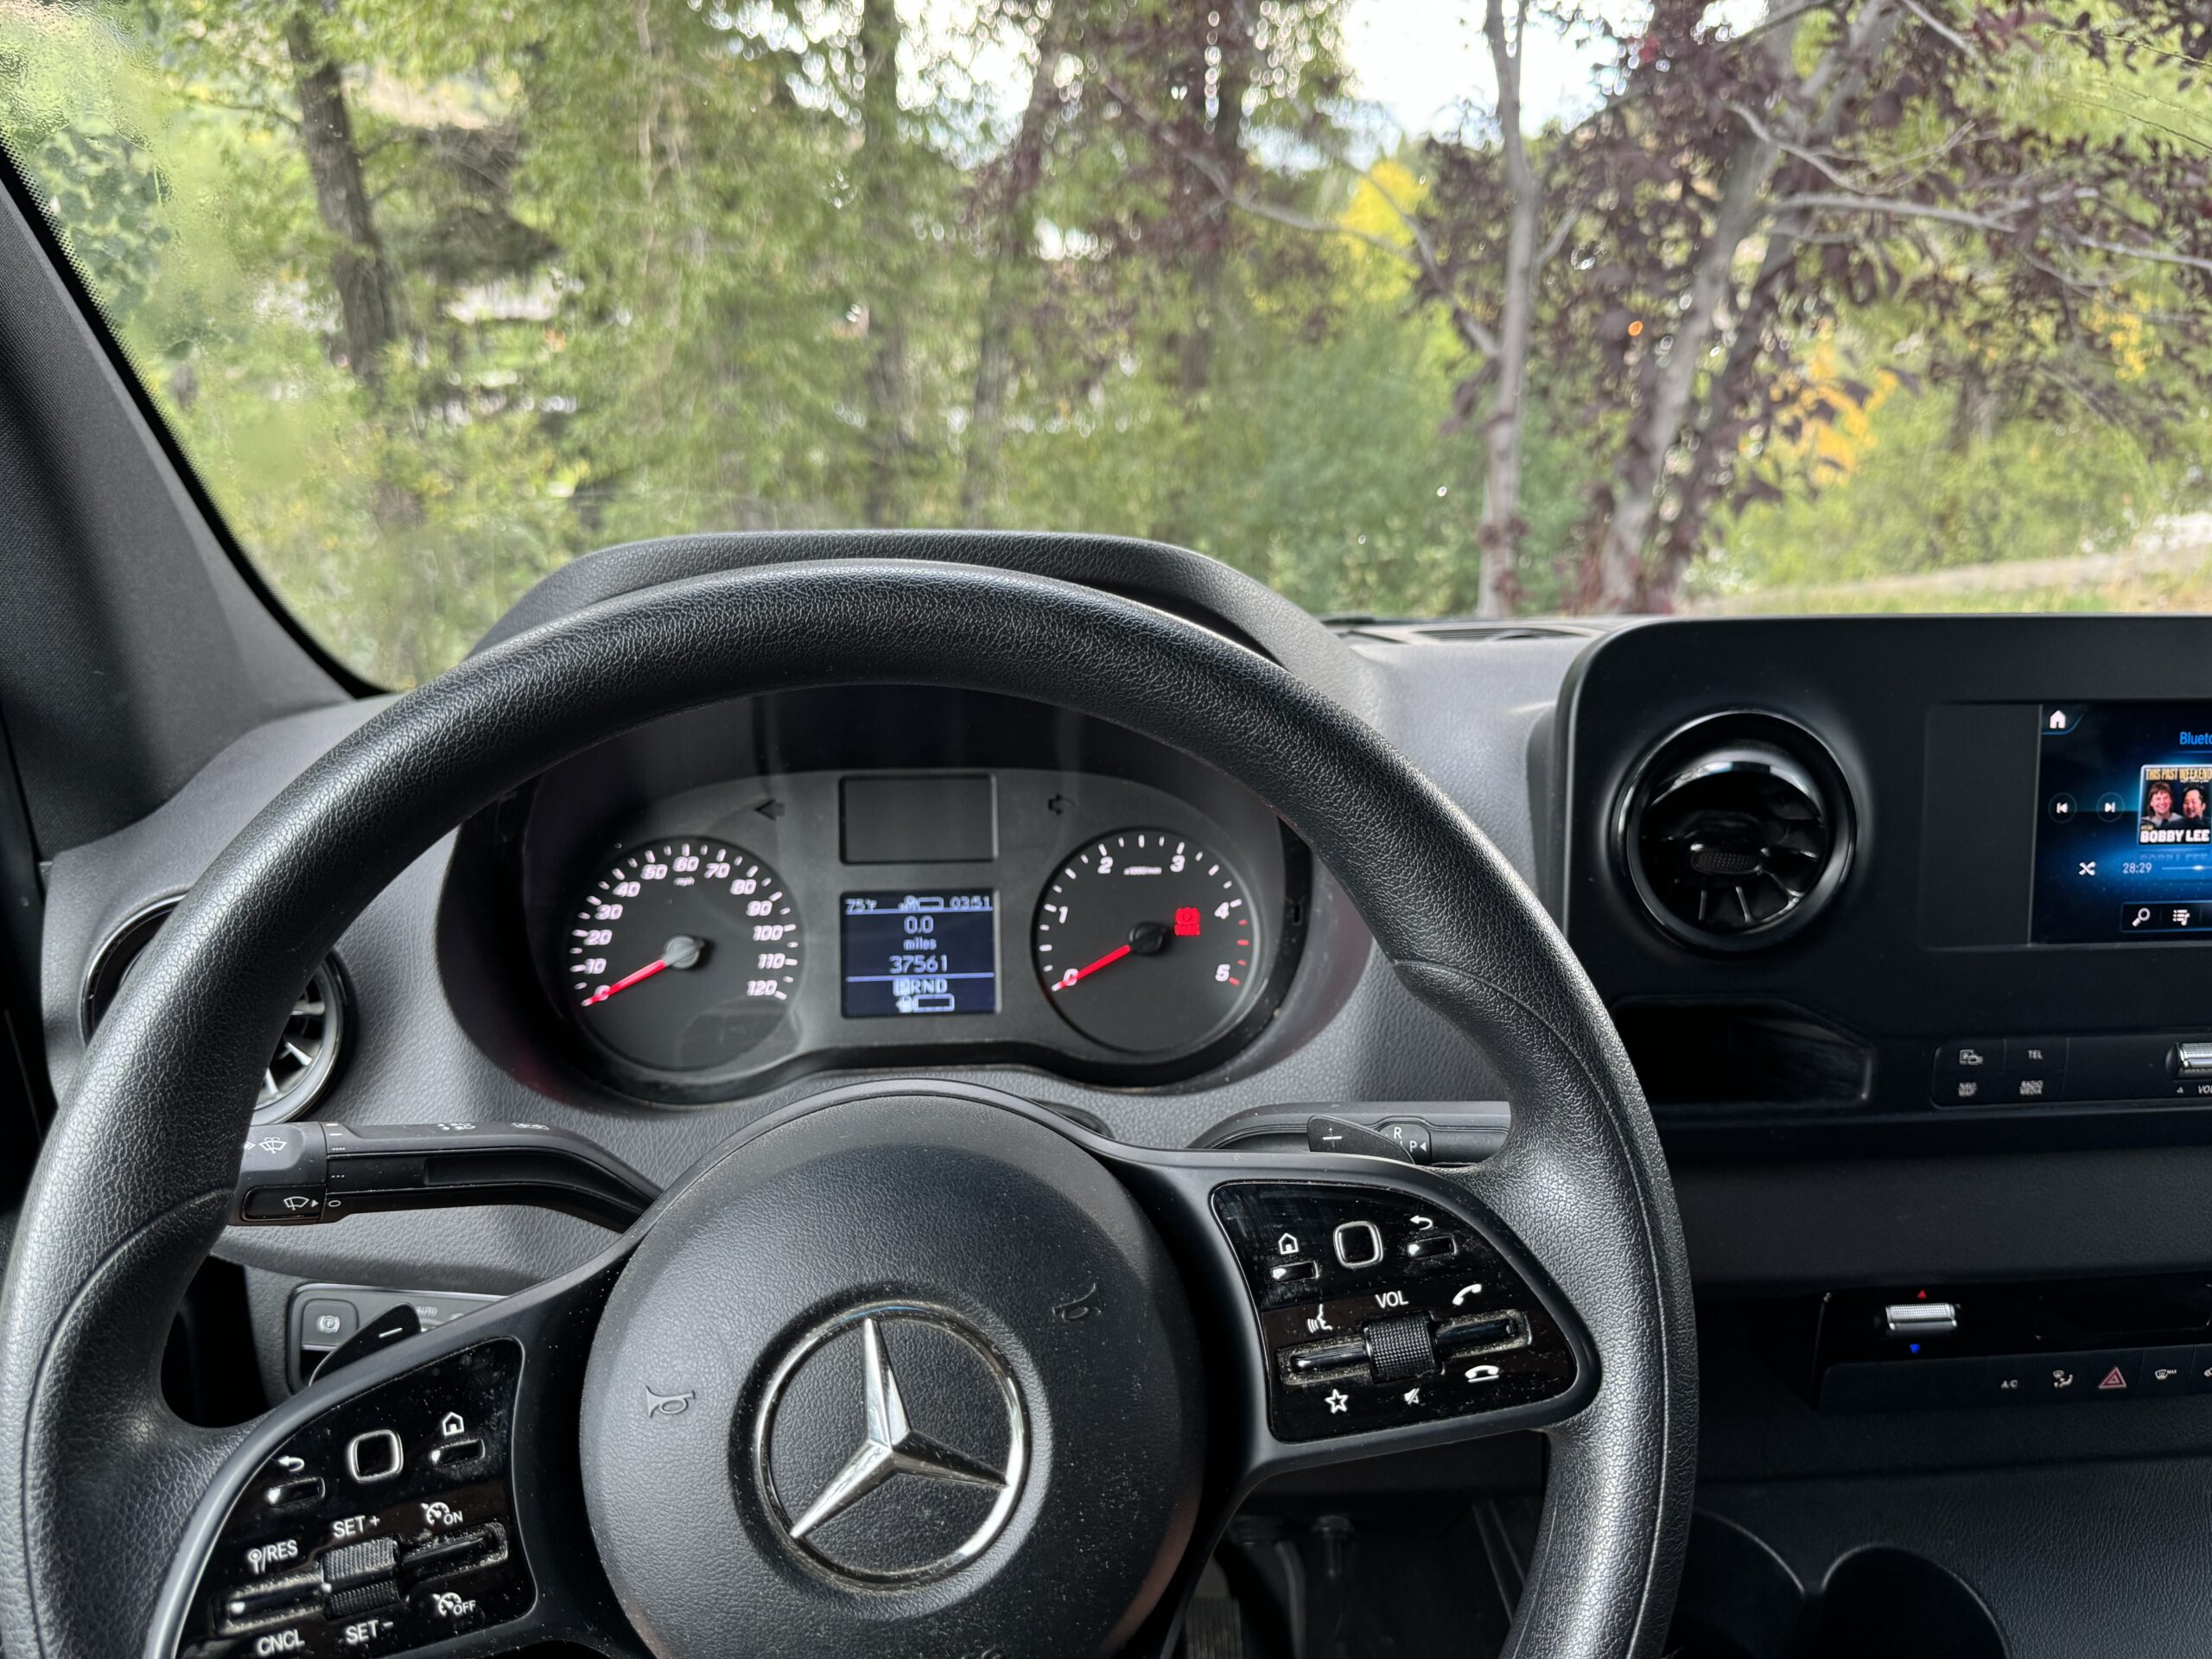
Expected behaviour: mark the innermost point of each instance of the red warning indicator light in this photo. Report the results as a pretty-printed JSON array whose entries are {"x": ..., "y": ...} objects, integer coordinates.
[{"x": 1186, "y": 922}]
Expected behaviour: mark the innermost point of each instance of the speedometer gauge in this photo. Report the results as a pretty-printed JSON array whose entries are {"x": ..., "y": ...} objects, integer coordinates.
[
  {"x": 1147, "y": 942},
  {"x": 683, "y": 954}
]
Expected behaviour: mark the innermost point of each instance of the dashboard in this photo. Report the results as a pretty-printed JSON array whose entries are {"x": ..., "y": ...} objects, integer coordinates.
[
  {"x": 1824, "y": 873},
  {"x": 770, "y": 886},
  {"x": 1902, "y": 923}
]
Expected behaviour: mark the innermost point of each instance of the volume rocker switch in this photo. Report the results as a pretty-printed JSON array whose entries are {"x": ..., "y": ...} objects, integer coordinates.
[{"x": 1400, "y": 1348}]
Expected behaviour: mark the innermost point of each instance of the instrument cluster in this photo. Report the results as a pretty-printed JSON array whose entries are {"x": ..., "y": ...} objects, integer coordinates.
[{"x": 860, "y": 886}]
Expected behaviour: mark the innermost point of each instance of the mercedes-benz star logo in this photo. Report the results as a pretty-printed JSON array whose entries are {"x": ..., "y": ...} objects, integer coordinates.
[{"x": 892, "y": 1446}]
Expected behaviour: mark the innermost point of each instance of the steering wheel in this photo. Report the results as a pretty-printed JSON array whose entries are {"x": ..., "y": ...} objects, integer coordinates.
[{"x": 905, "y": 1367}]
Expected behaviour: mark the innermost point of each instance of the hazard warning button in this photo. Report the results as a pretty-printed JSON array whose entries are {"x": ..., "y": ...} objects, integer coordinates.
[{"x": 2113, "y": 1375}]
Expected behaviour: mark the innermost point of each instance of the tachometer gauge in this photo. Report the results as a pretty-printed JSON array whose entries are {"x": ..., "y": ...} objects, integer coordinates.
[
  {"x": 1147, "y": 942},
  {"x": 683, "y": 954}
]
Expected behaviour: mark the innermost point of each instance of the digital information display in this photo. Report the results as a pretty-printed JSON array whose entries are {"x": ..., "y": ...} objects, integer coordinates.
[
  {"x": 918, "y": 953},
  {"x": 2124, "y": 831}
]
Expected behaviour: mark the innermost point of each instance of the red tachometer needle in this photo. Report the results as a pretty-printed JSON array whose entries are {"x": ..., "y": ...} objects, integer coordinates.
[
  {"x": 1075, "y": 974},
  {"x": 626, "y": 980}
]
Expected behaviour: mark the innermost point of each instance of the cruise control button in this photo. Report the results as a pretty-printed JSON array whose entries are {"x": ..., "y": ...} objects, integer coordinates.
[
  {"x": 455, "y": 1552},
  {"x": 377, "y": 1455},
  {"x": 353, "y": 1564},
  {"x": 1358, "y": 1244},
  {"x": 253, "y": 1601}
]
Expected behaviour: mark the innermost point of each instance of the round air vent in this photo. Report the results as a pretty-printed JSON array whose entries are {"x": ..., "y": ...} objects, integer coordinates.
[
  {"x": 307, "y": 1054},
  {"x": 1737, "y": 831}
]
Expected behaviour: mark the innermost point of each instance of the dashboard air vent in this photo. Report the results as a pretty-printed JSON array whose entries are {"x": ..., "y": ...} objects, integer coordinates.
[
  {"x": 307, "y": 1054},
  {"x": 1737, "y": 831}
]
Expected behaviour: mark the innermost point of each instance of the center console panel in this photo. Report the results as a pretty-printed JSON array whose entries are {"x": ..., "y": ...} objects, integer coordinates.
[{"x": 1897, "y": 883}]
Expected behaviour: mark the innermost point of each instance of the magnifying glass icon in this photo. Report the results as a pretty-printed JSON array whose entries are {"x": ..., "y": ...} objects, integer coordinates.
[{"x": 2141, "y": 917}]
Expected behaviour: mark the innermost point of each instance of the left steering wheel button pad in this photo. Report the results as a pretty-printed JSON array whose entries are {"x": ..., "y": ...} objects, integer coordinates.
[
  {"x": 1419, "y": 1321},
  {"x": 398, "y": 1550}
]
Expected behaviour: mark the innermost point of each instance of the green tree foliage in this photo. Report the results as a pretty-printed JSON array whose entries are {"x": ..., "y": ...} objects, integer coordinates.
[{"x": 438, "y": 298}]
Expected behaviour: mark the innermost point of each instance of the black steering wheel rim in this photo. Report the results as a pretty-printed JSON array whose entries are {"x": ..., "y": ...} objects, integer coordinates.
[{"x": 97, "y": 1479}]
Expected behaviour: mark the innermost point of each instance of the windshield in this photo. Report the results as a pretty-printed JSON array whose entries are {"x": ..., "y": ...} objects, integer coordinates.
[{"x": 1408, "y": 309}]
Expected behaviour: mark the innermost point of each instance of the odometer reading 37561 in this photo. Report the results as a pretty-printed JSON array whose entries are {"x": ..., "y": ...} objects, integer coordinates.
[
  {"x": 683, "y": 955},
  {"x": 1145, "y": 942}
]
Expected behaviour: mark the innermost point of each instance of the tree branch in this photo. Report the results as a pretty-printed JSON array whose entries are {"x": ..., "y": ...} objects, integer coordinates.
[
  {"x": 1760, "y": 131},
  {"x": 1420, "y": 252},
  {"x": 243, "y": 106},
  {"x": 1951, "y": 36},
  {"x": 1894, "y": 207}
]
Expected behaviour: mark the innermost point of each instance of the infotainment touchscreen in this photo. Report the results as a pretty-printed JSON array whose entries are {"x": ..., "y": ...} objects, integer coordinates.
[{"x": 2123, "y": 822}]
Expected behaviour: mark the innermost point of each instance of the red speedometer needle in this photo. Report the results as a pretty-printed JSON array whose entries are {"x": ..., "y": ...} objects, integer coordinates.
[
  {"x": 626, "y": 980},
  {"x": 1075, "y": 974},
  {"x": 680, "y": 952}
]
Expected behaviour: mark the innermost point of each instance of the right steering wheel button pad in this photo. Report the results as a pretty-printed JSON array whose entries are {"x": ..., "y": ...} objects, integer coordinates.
[
  {"x": 1436, "y": 1325},
  {"x": 357, "y": 1538}
]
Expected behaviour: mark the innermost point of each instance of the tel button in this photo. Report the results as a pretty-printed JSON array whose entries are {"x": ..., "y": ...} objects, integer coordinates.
[{"x": 2035, "y": 1056}]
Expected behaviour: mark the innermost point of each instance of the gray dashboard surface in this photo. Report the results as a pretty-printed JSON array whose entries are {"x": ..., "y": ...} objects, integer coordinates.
[
  {"x": 1476, "y": 714},
  {"x": 1347, "y": 1031}
]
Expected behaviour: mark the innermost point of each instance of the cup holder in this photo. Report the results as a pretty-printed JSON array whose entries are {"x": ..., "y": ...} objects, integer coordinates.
[
  {"x": 1740, "y": 1600},
  {"x": 1885, "y": 1601}
]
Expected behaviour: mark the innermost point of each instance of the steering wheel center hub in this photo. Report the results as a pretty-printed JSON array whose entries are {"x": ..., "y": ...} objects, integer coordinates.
[
  {"x": 930, "y": 1353},
  {"x": 937, "y": 1468}
]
